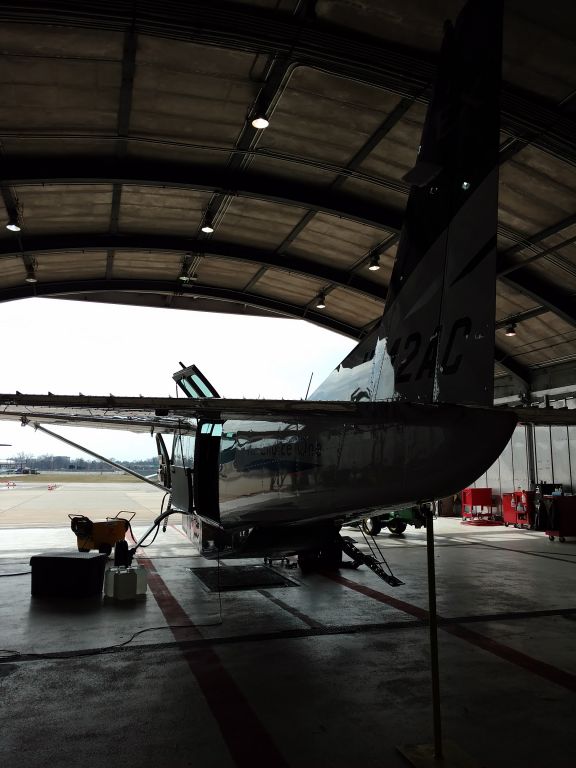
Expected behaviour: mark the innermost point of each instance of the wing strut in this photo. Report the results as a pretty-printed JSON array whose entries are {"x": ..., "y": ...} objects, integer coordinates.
[{"x": 27, "y": 422}]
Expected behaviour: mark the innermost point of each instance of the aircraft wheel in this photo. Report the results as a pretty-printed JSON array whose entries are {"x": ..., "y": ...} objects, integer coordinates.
[
  {"x": 308, "y": 561},
  {"x": 105, "y": 549},
  {"x": 561, "y": 539},
  {"x": 371, "y": 526},
  {"x": 506, "y": 525},
  {"x": 328, "y": 557},
  {"x": 397, "y": 527},
  {"x": 331, "y": 555}
]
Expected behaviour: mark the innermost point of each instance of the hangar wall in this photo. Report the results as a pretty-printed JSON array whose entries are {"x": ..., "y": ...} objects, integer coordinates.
[{"x": 538, "y": 454}]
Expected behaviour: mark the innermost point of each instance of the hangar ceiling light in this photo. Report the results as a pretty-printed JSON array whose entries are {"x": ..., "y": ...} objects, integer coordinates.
[
  {"x": 260, "y": 122},
  {"x": 208, "y": 227},
  {"x": 511, "y": 329},
  {"x": 321, "y": 300},
  {"x": 13, "y": 224},
  {"x": 374, "y": 263}
]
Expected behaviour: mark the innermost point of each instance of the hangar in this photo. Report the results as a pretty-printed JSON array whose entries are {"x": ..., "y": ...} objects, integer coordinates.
[{"x": 133, "y": 172}]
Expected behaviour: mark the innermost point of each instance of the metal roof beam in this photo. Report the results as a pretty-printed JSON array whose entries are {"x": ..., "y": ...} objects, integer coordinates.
[
  {"x": 173, "y": 287},
  {"x": 344, "y": 52},
  {"x": 122, "y": 128},
  {"x": 526, "y": 242},
  {"x": 166, "y": 243},
  {"x": 389, "y": 122},
  {"x": 277, "y": 77},
  {"x": 519, "y": 372},
  {"x": 558, "y": 302},
  {"x": 31, "y": 170}
]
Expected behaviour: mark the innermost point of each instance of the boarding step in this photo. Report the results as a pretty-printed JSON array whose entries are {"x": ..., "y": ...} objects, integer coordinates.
[{"x": 371, "y": 561}]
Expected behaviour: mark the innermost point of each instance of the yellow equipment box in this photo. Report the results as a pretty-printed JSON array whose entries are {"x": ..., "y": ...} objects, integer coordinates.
[{"x": 100, "y": 535}]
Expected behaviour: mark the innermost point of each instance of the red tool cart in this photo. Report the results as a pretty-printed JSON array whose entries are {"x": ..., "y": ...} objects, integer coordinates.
[
  {"x": 518, "y": 509},
  {"x": 561, "y": 511},
  {"x": 477, "y": 508}
]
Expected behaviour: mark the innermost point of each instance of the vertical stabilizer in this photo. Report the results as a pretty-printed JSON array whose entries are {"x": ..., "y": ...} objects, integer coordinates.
[{"x": 436, "y": 340}]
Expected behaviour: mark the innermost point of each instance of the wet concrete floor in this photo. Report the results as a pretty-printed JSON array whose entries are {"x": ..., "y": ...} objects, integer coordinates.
[{"x": 332, "y": 670}]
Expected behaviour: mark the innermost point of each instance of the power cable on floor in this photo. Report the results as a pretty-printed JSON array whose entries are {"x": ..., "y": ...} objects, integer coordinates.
[
  {"x": 10, "y": 655},
  {"x": 22, "y": 573}
]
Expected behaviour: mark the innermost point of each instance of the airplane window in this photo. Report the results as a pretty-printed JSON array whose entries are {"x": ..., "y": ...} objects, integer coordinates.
[
  {"x": 183, "y": 451},
  {"x": 188, "y": 388},
  {"x": 212, "y": 429},
  {"x": 201, "y": 387}
]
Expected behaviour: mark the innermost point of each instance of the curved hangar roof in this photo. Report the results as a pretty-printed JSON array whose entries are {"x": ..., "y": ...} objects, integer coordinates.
[{"x": 126, "y": 128}]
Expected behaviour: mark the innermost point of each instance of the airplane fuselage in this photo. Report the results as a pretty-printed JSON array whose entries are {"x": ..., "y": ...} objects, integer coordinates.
[{"x": 263, "y": 474}]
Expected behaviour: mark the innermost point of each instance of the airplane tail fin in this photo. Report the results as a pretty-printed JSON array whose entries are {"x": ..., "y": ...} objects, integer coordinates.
[{"x": 435, "y": 342}]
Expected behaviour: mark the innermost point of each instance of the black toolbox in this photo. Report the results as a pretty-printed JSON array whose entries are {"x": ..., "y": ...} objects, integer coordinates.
[{"x": 68, "y": 574}]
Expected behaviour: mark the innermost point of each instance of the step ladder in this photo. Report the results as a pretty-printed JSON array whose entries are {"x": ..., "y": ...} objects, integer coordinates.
[{"x": 375, "y": 561}]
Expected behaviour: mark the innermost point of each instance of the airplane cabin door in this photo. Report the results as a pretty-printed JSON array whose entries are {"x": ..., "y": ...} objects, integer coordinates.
[
  {"x": 164, "y": 474},
  {"x": 195, "y": 461},
  {"x": 207, "y": 471}
]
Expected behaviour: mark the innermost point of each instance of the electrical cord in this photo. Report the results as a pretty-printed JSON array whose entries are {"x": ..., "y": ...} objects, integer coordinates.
[
  {"x": 12, "y": 654},
  {"x": 22, "y": 573},
  {"x": 156, "y": 528}
]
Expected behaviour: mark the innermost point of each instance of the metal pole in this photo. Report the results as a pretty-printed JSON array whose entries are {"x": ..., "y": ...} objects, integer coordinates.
[{"x": 433, "y": 628}]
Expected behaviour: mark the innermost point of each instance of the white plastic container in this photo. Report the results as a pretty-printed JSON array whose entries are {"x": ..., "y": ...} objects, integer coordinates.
[
  {"x": 109, "y": 577},
  {"x": 125, "y": 583},
  {"x": 141, "y": 579}
]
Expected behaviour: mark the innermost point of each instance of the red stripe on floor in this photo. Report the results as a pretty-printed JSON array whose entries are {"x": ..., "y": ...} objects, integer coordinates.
[
  {"x": 547, "y": 671},
  {"x": 180, "y": 531},
  {"x": 245, "y": 736}
]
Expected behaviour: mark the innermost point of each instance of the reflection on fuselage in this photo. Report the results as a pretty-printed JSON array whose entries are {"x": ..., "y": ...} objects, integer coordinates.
[{"x": 274, "y": 472}]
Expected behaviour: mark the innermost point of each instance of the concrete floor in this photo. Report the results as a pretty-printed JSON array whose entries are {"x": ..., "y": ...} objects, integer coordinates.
[{"x": 333, "y": 672}]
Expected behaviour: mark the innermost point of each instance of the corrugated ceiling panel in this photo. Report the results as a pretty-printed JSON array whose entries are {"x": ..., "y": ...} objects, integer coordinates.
[
  {"x": 169, "y": 211},
  {"x": 258, "y": 222},
  {"x": 153, "y": 265},
  {"x": 65, "y": 208},
  {"x": 191, "y": 92}
]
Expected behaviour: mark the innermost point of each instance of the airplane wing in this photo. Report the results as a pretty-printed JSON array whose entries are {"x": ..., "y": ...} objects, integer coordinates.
[
  {"x": 90, "y": 412},
  {"x": 169, "y": 414}
]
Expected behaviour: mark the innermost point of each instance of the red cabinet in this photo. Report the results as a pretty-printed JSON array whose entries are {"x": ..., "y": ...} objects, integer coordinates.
[
  {"x": 477, "y": 505},
  {"x": 561, "y": 516},
  {"x": 518, "y": 509}
]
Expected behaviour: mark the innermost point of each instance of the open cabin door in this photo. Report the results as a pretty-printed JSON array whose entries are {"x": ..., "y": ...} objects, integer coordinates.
[
  {"x": 195, "y": 458},
  {"x": 193, "y": 383},
  {"x": 164, "y": 473}
]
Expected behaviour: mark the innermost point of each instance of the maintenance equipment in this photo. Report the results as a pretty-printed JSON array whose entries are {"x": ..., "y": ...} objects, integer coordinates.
[{"x": 101, "y": 535}]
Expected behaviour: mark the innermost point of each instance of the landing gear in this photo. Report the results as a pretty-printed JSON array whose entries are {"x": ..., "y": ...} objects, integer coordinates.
[
  {"x": 328, "y": 557},
  {"x": 396, "y": 527},
  {"x": 371, "y": 526}
]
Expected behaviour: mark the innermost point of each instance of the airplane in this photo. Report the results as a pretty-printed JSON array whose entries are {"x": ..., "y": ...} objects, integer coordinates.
[{"x": 390, "y": 426}]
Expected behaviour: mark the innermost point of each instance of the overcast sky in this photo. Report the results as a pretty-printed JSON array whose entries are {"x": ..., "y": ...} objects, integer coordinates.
[{"x": 67, "y": 347}]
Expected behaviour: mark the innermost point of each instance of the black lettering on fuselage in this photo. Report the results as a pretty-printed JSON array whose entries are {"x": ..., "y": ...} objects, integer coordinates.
[
  {"x": 428, "y": 363},
  {"x": 449, "y": 367},
  {"x": 411, "y": 348},
  {"x": 408, "y": 351}
]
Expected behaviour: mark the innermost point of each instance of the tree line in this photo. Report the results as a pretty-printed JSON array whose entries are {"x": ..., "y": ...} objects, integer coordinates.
[{"x": 49, "y": 462}]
